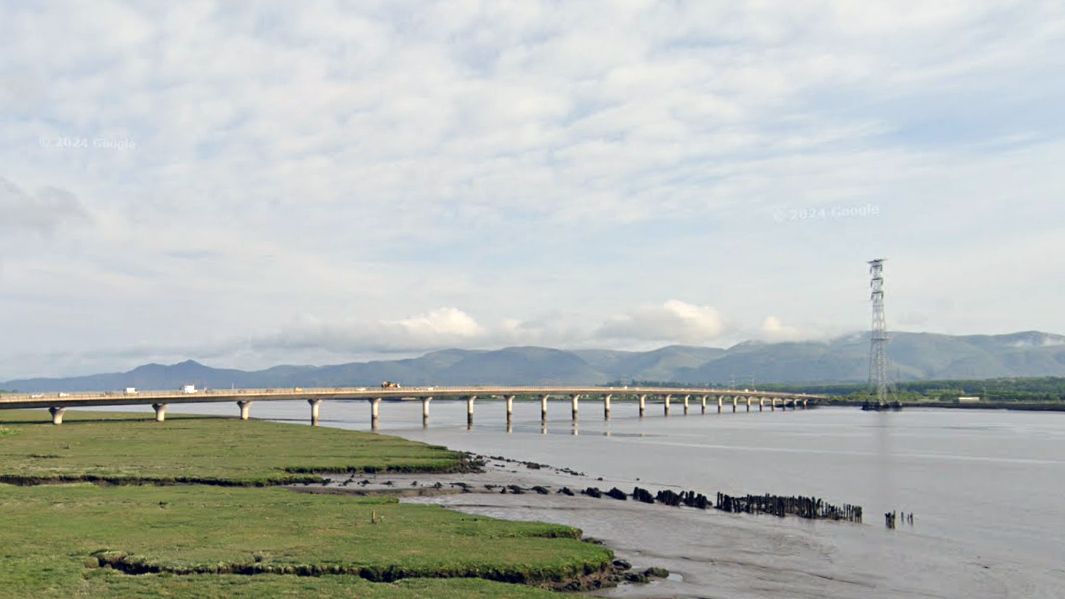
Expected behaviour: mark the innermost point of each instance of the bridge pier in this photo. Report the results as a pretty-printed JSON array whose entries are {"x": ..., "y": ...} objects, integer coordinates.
[
  {"x": 735, "y": 403},
  {"x": 806, "y": 404},
  {"x": 375, "y": 412},
  {"x": 425, "y": 410},
  {"x": 573, "y": 404},
  {"x": 686, "y": 398},
  {"x": 643, "y": 405},
  {"x": 510, "y": 410},
  {"x": 469, "y": 410},
  {"x": 748, "y": 403},
  {"x": 160, "y": 411},
  {"x": 543, "y": 408},
  {"x": 761, "y": 404},
  {"x": 315, "y": 404},
  {"x": 245, "y": 408},
  {"x": 57, "y": 415},
  {"x": 720, "y": 399},
  {"x": 665, "y": 405},
  {"x": 606, "y": 407},
  {"x": 773, "y": 405},
  {"x": 704, "y": 404}
]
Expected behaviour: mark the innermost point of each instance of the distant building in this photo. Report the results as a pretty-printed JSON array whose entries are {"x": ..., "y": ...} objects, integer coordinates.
[{"x": 968, "y": 399}]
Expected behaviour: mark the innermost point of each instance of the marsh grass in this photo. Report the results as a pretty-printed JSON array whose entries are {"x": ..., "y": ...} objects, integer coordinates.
[
  {"x": 85, "y": 539},
  {"x": 62, "y": 531},
  {"x": 134, "y": 449}
]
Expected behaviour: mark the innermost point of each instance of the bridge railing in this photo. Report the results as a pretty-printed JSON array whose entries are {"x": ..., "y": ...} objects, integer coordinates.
[{"x": 370, "y": 391}]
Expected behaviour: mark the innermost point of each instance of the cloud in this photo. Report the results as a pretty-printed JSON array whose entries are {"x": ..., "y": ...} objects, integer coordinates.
[
  {"x": 773, "y": 329},
  {"x": 436, "y": 329},
  {"x": 673, "y": 321},
  {"x": 540, "y": 164},
  {"x": 42, "y": 212}
]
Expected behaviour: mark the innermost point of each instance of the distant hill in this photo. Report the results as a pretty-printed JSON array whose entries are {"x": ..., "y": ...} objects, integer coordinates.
[{"x": 913, "y": 356}]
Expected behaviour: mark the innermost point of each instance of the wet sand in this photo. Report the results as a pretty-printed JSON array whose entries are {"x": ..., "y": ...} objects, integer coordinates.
[{"x": 713, "y": 554}]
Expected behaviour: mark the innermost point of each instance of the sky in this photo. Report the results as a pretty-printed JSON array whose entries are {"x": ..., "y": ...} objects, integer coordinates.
[{"x": 256, "y": 183}]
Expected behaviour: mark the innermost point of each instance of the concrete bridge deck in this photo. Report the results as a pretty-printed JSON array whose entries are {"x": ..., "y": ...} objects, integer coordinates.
[{"x": 159, "y": 400}]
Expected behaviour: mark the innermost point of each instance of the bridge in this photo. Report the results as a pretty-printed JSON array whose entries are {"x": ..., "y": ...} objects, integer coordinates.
[{"x": 57, "y": 403}]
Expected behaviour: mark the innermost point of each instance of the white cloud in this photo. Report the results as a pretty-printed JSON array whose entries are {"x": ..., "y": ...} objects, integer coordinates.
[
  {"x": 773, "y": 329},
  {"x": 524, "y": 161},
  {"x": 673, "y": 321},
  {"x": 440, "y": 328}
]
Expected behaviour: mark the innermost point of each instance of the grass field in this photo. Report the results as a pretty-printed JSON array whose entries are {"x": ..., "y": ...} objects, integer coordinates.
[
  {"x": 73, "y": 540},
  {"x": 117, "y": 448},
  {"x": 63, "y": 531}
]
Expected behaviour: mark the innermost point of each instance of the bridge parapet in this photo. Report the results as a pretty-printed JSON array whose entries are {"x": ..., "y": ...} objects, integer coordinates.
[{"x": 57, "y": 402}]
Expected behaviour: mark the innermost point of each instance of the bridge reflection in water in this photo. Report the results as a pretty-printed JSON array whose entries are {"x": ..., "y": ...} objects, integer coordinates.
[{"x": 57, "y": 403}]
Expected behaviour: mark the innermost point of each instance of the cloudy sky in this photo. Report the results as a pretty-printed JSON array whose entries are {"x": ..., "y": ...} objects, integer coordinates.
[{"x": 275, "y": 182}]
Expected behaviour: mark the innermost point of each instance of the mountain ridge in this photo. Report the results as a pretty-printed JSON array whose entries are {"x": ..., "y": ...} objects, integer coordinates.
[{"x": 913, "y": 356}]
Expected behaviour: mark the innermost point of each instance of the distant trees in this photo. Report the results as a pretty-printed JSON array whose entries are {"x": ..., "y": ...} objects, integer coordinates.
[
  {"x": 1029, "y": 389},
  {"x": 664, "y": 384}
]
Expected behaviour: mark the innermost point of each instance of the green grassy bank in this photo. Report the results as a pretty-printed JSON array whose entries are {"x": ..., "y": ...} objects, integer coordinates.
[
  {"x": 71, "y": 540},
  {"x": 126, "y": 448}
]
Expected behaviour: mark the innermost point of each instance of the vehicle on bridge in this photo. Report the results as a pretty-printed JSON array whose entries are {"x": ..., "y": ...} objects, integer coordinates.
[
  {"x": 189, "y": 389},
  {"x": 389, "y": 385}
]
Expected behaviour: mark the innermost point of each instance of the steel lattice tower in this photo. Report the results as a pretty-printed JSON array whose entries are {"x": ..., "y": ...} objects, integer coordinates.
[{"x": 878, "y": 338}]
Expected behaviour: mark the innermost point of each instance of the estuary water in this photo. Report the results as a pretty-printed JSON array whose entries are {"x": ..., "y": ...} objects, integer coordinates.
[{"x": 987, "y": 490}]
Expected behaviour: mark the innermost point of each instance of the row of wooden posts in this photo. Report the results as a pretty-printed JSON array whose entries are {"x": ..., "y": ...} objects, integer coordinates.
[
  {"x": 891, "y": 519},
  {"x": 803, "y": 507}
]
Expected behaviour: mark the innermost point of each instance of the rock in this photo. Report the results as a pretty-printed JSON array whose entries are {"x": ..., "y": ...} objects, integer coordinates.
[{"x": 636, "y": 577}]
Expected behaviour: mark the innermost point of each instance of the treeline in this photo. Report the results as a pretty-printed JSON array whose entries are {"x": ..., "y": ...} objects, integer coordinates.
[
  {"x": 1032, "y": 389},
  {"x": 665, "y": 384}
]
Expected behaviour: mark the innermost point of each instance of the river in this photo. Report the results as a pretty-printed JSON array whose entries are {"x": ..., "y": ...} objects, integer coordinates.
[{"x": 986, "y": 489}]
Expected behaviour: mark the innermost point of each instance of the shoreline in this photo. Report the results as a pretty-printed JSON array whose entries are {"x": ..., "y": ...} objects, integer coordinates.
[
  {"x": 714, "y": 553},
  {"x": 502, "y": 477},
  {"x": 483, "y": 494}
]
